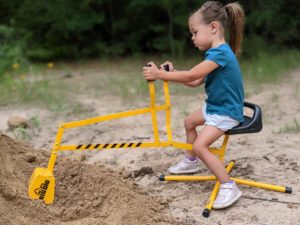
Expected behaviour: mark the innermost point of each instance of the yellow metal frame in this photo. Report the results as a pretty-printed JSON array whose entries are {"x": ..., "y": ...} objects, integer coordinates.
[{"x": 41, "y": 185}]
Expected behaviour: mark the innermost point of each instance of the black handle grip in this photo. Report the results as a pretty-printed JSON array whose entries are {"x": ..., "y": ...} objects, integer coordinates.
[
  {"x": 149, "y": 65},
  {"x": 166, "y": 67}
]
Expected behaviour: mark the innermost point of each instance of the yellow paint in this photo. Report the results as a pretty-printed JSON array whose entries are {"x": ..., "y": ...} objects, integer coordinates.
[
  {"x": 43, "y": 177},
  {"x": 50, "y": 65},
  {"x": 15, "y": 66},
  {"x": 41, "y": 185}
]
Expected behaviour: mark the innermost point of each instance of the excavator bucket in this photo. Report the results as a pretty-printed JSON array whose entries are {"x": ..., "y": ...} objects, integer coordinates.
[{"x": 41, "y": 185}]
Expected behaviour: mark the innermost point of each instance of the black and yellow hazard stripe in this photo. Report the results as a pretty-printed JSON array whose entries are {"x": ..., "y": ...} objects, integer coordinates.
[{"x": 105, "y": 146}]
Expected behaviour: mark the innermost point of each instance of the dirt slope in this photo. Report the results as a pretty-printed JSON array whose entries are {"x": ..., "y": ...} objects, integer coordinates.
[{"x": 85, "y": 194}]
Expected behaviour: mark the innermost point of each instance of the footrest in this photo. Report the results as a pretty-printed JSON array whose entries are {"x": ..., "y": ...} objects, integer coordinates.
[
  {"x": 288, "y": 190},
  {"x": 206, "y": 213},
  {"x": 161, "y": 178}
]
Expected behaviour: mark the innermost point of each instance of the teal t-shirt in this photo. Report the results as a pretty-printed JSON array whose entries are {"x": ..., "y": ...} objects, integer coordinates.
[{"x": 224, "y": 85}]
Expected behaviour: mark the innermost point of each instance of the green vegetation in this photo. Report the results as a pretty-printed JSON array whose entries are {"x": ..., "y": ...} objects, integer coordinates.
[
  {"x": 293, "y": 127},
  {"x": 50, "y": 87},
  {"x": 27, "y": 133},
  {"x": 123, "y": 35},
  {"x": 268, "y": 67},
  {"x": 11, "y": 49},
  {"x": 81, "y": 29},
  {"x": 21, "y": 133},
  {"x": 33, "y": 87}
]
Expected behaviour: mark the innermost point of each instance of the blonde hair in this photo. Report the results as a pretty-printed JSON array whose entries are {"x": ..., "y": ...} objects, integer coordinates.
[{"x": 231, "y": 16}]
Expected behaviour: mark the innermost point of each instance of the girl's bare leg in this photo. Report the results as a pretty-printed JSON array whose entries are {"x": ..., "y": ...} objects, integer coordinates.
[
  {"x": 189, "y": 164},
  {"x": 205, "y": 138},
  {"x": 190, "y": 123}
]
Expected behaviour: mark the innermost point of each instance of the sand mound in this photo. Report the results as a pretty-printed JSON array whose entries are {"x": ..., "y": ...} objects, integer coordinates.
[{"x": 85, "y": 194}]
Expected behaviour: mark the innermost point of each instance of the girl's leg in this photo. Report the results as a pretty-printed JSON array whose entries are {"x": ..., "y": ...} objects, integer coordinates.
[
  {"x": 194, "y": 120},
  {"x": 228, "y": 193},
  {"x": 205, "y": 138},
  {"x": 189, "y": 164}
]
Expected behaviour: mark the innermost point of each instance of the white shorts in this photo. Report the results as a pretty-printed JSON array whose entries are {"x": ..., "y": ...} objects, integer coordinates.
[{"x": 222, "y": 122}]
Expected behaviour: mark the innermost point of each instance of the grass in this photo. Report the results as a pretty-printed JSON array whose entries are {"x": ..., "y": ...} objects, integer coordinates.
[
  {"x": 268, "y": 68},
  {"x": 293, "y": 127},
  {"x": 127, "y": 81},
  {"x": 22, "y": 90},
  {"x": 38, "y": 86},
  {"x": 122, "y": 78},
  {"x": 27, "y": 133}
]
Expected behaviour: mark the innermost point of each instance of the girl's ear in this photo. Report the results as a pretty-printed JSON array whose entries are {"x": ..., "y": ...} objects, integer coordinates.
[{"x": 214, "y": 27}]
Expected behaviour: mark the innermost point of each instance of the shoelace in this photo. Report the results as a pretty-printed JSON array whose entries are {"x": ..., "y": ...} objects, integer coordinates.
[
  {"x": 182, "y": 164},
  {"x": 223, "y": 192}
]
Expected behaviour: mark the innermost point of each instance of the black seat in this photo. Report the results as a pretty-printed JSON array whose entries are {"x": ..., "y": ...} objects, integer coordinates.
[{"x": 251, "y": 124}]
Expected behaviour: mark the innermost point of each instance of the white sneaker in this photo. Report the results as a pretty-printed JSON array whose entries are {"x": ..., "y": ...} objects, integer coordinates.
[
  {"x": 228, "y": 194},
  {"x": 185, "y": 166}
]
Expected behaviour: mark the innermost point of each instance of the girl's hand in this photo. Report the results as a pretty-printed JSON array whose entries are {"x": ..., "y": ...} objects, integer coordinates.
[
  {"x": 167, "y": 63},
  {"x": 151, "y": 72}
]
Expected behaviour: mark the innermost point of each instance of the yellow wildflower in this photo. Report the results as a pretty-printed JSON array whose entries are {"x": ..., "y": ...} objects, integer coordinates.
[
  {"x": 15, "y": 66},
  {"x": 50, "y": 65}
]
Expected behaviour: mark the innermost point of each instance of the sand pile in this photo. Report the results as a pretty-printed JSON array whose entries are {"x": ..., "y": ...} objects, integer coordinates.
[{"x": 85, "y": 194}]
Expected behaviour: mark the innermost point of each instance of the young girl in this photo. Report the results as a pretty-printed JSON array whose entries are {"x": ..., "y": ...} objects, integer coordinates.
[{"x": 221, "y": 74}]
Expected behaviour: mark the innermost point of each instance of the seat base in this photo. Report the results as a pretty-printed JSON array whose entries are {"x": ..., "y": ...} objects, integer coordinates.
[{"x": 208, "y": 207}]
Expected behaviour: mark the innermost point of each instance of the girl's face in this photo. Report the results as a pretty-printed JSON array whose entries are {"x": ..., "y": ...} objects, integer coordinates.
[{"x": 201, "y": 33}]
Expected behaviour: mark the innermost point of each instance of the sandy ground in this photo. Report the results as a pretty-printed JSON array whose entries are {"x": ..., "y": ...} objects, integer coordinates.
[{"x": 271, "y": 156}]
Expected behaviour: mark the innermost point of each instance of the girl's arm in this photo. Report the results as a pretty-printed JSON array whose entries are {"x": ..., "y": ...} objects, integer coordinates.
[
  {"x": 197, "y": 72},
  {"x": 195, "y": 83}
]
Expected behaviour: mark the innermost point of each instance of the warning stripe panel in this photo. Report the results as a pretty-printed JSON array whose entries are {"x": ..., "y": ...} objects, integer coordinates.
[
  {"x": 123, "y": 144},
  {"x": 114, "y": 145}
]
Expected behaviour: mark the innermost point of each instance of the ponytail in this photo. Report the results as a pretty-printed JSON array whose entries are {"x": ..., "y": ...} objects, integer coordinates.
[{"x": 235, "y": 24}]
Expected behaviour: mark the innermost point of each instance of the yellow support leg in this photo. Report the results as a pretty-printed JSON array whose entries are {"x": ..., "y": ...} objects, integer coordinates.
[
  {"x": 186, "y": 178},
  {"x": 214, "y": 193},
  {"x": 263, "y": 185}
]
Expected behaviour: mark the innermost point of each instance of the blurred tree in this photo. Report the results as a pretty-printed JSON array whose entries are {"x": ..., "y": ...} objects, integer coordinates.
[{"x": 96, "y": 28}]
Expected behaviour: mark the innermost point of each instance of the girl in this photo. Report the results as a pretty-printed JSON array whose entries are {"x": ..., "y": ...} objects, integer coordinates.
[{"x": 221, "y": 74}]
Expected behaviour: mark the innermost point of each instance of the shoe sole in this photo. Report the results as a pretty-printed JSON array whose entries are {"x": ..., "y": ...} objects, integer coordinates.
[
  {"x": 185, "y": 171},
  {"x": 228, "y": 203}
]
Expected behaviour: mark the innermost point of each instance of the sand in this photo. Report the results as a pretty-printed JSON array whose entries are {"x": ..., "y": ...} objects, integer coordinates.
[
  {"x": 122, "y": 187},
  {"x": 85, "y": 194}
]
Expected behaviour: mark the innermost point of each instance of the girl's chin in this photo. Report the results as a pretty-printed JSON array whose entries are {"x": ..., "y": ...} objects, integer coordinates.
[{"x": 201, "y": 48}]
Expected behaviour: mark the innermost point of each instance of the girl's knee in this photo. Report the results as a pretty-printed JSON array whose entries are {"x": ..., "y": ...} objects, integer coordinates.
[
  {"x": 193, "y": 120},
  {"x": 200, "y": 149},
  {"x": 188, "y": 124}
]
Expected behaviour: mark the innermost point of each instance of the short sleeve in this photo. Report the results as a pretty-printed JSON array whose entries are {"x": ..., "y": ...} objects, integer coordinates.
[{"x": 216, "y": 55}]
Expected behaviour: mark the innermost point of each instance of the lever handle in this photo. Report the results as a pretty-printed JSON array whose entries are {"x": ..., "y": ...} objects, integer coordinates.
[
  {"x": 166, "y": 67},
  {"x": 149, "y": 65}
]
